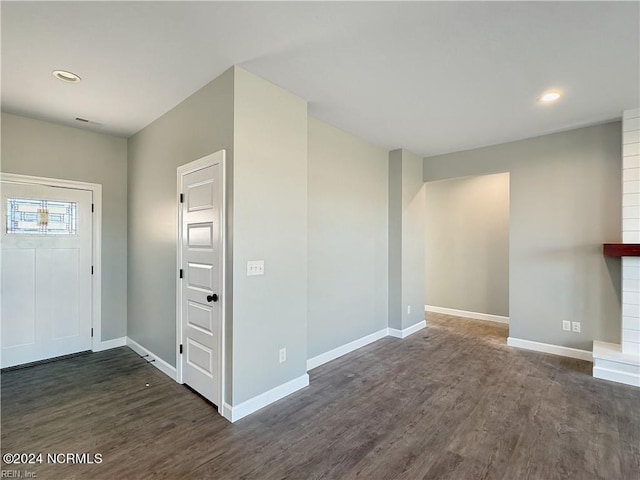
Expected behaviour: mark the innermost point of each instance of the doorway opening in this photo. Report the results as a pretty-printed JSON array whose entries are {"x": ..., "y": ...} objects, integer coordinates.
[{"x": 467, "y": 248}]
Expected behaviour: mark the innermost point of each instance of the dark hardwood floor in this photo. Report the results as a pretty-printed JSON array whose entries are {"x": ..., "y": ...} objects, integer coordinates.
[{"x": 449, "y": 402}]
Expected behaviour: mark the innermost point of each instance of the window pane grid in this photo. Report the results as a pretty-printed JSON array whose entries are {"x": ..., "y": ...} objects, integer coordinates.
[{"x": 41, "y": 217}]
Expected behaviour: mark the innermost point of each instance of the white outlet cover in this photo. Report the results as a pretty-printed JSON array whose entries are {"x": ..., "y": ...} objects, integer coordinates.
[
  {"x": 566, "y": 325},
  {"x": 575, "y": 326}
]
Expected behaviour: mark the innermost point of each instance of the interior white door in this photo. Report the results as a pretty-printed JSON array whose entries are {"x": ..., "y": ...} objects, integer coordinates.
[
  {"x": 201, "y": 261},
  {"x": 46, "y": 272}
]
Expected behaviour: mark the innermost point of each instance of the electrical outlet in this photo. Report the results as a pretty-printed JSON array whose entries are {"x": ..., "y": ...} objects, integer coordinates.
[
  {"x": 408, "y": 309},
  {"x": 255, "y": 267},
  {"x": 566, "y": 325},
  {"x": 575, "y": 326},
  {"x": 283, "y": 355}
]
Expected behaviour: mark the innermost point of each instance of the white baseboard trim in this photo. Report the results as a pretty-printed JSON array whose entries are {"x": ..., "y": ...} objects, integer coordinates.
[
  {"x": 109, "y": 344},
  {"x": 157, "y": 362},
  {"x": 361, "y": 342},
  {"x": 617, "y": 376},
  {"x": 226, "y": 411},
  {"x": 463, "y": 313},
  {"x": 344, "y": 349},
  {"x": 233, "y": 414},
  {"x": 394, "y": 332},
  {"x": 549, "y": 348},
  {"x": 609, "y": 363}
]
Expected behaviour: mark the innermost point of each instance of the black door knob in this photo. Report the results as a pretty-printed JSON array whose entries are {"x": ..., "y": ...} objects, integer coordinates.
[{"x": 212, "y": 298}]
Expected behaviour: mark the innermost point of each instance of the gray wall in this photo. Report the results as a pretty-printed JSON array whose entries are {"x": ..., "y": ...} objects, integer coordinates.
[
  {"x": 413, "y": 228},
  {"x": 347, "y": 238},
  {"x": 406, "y": 239},
  {"x": 264, "y": 130},
  {"x": 34, "y": 147},
  {"x": 200, "y": 125},
  {"x": 395, "y": 313},
  {"x": 270, "y": 224},
  {"x": 467, "y": 244},
  {"x": 565, "y": 201}
]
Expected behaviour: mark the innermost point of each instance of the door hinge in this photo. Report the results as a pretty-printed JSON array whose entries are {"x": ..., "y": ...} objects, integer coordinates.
[
  {"x": 92, "y": 207},
  {"x": 92, "y": 331},
  {"x": 182, "y": 198},
  {"x": 91, "y": 269},
  {"x": 180, "y": 273},
  {"x": 180, "y": 349}
]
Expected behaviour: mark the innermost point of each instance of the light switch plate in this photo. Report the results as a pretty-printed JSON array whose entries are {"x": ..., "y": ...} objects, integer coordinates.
[{"x": 255, "y": 267}]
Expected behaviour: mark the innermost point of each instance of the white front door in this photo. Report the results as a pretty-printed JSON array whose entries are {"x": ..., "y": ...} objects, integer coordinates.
[
  {"x": 46, "y": 272},
  {"x": 201, "y": 258}
]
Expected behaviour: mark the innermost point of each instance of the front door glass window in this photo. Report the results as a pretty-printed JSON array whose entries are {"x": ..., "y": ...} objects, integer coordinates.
[{"x": 41, "y": 217}]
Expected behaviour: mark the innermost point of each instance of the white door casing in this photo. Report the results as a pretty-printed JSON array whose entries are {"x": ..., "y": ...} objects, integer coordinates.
[
  {"x": 200, "y": 302},
  {"x": 46, "y": 281}
]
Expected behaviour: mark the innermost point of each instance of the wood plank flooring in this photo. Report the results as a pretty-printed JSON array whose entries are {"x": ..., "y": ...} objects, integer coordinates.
[{"x": 449, "y": 402}]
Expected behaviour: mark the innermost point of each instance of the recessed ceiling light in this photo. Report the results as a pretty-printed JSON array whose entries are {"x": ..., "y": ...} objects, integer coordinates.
[
  {"x": 65, "y": 76},
  {"x": 550, "y": 96}
]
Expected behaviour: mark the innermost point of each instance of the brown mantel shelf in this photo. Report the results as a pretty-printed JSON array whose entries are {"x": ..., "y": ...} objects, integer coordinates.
[{"x": 621, "y": 249}]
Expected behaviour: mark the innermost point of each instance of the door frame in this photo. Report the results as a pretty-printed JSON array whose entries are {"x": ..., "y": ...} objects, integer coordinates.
[
  {"x": 96, "y": 240},
  {"x": 207, "y": 160}
]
